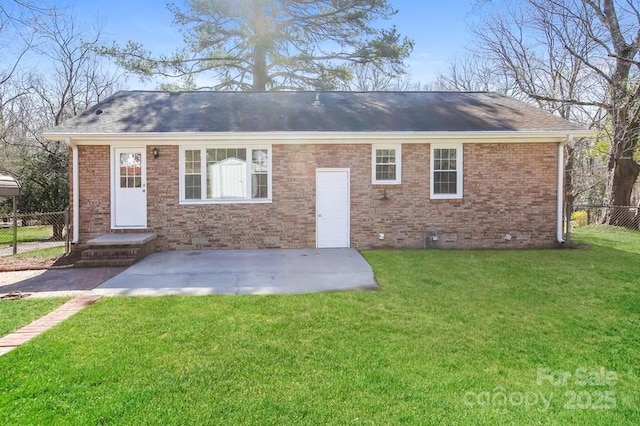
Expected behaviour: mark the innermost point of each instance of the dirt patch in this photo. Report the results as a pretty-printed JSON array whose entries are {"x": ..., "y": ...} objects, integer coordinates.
[
  {"x": 26, "y": 264},
  {"x": 10, "y": 264}
]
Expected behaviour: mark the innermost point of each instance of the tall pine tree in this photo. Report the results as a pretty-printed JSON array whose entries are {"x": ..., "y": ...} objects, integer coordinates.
[{"x": 275, "y": 44}]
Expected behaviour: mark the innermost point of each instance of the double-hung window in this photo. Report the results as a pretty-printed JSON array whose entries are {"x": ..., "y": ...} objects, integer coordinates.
[
  {"x": 225, "y": 174},
  {"x": 446, "y": 171},
  {"x": 386, "y": 164}
]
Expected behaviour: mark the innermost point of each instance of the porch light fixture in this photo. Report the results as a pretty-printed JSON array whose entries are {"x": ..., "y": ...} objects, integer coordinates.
[{"x": 156, "y": 152}]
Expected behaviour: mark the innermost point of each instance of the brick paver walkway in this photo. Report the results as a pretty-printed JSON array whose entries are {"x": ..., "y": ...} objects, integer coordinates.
[{"x": 39, "y": 326}]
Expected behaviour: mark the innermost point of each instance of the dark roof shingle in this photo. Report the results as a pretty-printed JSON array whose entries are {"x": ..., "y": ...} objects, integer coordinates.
[{"x": 150, "y": 112}]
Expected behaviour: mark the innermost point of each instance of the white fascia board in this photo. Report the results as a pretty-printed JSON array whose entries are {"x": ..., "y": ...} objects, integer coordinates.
[{"x": 289, "y": 138}]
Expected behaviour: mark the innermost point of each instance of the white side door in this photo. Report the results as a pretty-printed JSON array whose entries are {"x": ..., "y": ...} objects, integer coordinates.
[
  {"x": 333, "y": 210},
  {"x": 129, "y": 201}
]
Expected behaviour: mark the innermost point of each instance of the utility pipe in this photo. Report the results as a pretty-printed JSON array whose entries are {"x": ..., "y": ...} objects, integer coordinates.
[
  {"x": 560, "y": 200},
  {"x": 75, "y": 182}
]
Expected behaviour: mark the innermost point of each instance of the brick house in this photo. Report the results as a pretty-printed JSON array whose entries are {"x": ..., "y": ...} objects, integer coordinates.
[{"x": 328, "y": 169}]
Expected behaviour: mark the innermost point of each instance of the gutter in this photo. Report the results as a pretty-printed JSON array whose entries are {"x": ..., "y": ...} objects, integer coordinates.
[
  {"x": 560, "y": 191},
  {"x": 327, "y": 137}
]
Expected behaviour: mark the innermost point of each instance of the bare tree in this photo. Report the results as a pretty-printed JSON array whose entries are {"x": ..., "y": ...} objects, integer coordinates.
[
  {"x": 475, "y": 73},
  {"x": 367, "y": 78},
  {"x": 74, "y": 79},
  {"x": 17, "y": 37},
  {"x": 579, "y": 58},
  {"x": 78, "y": 77},
  {"x": 532, "y": 64}
]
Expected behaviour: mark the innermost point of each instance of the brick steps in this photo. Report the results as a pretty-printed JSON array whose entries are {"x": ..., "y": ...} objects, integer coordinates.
[
  {"x": 106, "y": 262},
  {"x": 116, "y": 252}
]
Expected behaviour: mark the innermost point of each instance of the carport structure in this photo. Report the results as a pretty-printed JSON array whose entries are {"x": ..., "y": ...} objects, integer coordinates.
[{"x": 9, "y": 188}]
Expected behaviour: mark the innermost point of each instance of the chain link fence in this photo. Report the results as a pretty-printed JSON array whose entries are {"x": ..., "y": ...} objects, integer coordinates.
[
  {"x": 34, "y": 234},
  {"x": 594, "y": 220}
]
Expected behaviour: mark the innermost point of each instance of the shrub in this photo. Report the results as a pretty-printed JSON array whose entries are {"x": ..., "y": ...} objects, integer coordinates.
[{"x": 579, "y": 218}]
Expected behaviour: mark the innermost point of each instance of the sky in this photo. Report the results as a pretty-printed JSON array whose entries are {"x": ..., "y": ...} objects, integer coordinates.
[{"x": 439, "y": 28}]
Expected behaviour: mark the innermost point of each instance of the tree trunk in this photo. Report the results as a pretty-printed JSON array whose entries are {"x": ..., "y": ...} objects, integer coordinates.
[
  {"x": 622, "y": 169},
  {"x": 622, "y": 177},
  {"x": 259, "y": 69}
]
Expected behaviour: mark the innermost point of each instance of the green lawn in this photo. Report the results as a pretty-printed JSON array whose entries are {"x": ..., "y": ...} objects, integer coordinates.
[
  {"x": 26, "y": 234},
  {"x": 608, "y": 236},
  {"x": 17, "y": 313},
  {"x": 452, "y": 337},
  {"x": 46, "y": 253}
]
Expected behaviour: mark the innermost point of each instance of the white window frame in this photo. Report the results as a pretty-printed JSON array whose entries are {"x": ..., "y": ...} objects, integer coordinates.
[
  {"x": 203, "y": 161},
  {"x": 398, "y": 179},
  {"x": 459, "y": 172}
]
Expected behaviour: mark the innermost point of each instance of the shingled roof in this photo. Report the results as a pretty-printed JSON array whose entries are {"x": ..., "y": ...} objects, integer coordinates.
[{"x": 209, "y": 112}]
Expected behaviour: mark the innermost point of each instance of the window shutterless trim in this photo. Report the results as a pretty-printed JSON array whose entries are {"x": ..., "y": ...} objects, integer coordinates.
[
  {"x": 459, "y": 172},
  {"x": 203, "y": 175},
  {"x": 398, "y": 163}
]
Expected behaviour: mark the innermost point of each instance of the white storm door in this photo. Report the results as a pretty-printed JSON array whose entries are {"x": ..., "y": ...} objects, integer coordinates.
[
  {"x": 130, "y": 188},
  {"x": 332, "y": 208}
]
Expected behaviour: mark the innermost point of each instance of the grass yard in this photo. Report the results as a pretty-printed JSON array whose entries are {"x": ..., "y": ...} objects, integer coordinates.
[
  {"x": 45, "y": 253},
  {"x": 612, "y": 237},
  {"x": 17, "y": 313},
  {"x": 452, "y": 337},
  {"x": 26, "y": 234}
]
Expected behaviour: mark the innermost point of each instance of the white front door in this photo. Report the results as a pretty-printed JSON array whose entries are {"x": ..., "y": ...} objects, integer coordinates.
[
  {"x": 332, "y": 208},
  {"x": 130, "y": 188}
]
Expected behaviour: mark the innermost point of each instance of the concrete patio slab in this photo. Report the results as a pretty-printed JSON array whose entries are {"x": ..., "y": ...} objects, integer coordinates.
[{"x": 267, "y": 271}]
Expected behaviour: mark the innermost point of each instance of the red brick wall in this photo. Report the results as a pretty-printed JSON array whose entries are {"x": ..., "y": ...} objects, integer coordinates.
[
  {"x": 508, "y": 189},
  {"x": 94, "y": 178}
]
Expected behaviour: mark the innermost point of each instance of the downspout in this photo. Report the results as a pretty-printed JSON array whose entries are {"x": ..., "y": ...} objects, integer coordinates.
[
  {"x": 560, "y": 200},
  {"x": 75, "y": 182}
]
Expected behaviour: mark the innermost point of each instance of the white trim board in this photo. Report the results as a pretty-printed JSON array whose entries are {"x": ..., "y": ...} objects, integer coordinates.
[{"x": 288, "y": 138}]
